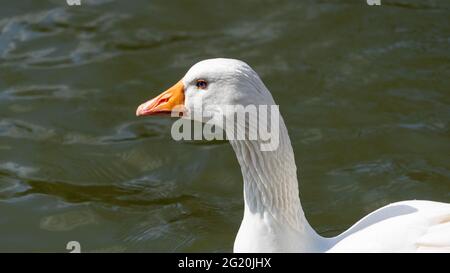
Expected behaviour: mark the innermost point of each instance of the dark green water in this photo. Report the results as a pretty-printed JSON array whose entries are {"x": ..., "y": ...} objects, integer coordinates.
[{"x": 365, "y": 92}]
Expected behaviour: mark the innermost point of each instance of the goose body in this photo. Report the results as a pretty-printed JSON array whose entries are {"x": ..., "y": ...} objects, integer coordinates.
[
  {"x": 408, "y": 226},
  {"x": 273, "y": 219}
]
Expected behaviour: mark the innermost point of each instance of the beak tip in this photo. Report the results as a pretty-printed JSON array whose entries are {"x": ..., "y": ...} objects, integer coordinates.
[{"x": 138, "y": 111}]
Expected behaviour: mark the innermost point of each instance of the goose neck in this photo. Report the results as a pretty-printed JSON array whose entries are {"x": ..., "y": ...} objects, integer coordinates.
[{"x": 270, "y": 180}]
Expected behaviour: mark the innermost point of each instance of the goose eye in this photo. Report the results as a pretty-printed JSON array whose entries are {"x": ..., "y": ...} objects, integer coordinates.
[{"x": 201, "y": 84}]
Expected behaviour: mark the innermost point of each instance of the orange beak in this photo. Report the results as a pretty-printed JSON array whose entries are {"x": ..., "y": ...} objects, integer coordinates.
[{"x": 170, "y": 100}]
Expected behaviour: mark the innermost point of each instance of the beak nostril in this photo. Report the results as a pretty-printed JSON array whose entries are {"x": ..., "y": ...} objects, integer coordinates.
[{"x": 163, "y": 100}]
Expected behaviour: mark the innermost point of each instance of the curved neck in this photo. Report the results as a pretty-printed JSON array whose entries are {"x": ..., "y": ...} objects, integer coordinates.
[{"x": 270, "y": 180}]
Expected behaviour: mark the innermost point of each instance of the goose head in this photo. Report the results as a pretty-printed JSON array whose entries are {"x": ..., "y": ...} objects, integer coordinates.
[{"x": 210, "y": 85}]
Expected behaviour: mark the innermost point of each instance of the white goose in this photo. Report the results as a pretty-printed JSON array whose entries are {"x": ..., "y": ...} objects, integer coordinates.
[{"x": 273, "y": 217}]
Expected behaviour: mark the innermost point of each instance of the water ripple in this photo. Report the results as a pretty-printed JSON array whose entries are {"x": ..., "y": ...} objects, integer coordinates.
[
  {"x": 38, "y": 92},
  {"x": 68, "y": 220},
  {"x": 59, "y": 23},
  {"x": 21, "y": 129},
  {"x": 117, "y": 195}
]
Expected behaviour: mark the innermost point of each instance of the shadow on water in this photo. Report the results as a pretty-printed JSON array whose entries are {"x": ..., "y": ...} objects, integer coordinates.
[{"x": 107, "y": 194}]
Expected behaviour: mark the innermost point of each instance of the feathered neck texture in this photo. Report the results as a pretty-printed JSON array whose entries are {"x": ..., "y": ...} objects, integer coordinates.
[{"x": 270, "y": 180}]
